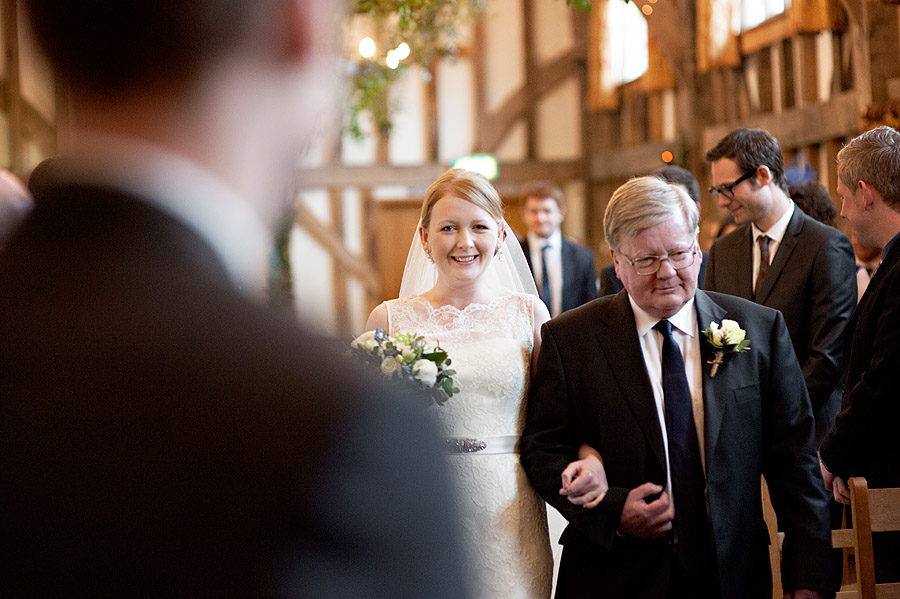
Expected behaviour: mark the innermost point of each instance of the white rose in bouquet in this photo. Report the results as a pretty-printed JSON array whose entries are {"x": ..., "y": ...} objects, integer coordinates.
[{"x": 425, "y": 371}]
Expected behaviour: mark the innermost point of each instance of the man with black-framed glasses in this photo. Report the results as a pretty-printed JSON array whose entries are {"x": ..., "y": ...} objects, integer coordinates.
[{"x": 782, "y": 258}]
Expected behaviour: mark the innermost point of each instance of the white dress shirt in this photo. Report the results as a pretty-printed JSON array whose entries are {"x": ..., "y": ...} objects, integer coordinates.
[
  {"x": 554, "y": 265},
  {"x": 189, "y": 193},
  {"x": 775, "y": 235},
  {"x": 687, "y": 334}
]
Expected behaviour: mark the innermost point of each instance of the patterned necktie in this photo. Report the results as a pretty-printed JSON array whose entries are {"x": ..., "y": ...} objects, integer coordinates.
[
  {"x": 763, "y": 262},
  {"x": 545, "y": 277},
  {"x": 688, "y": 481}
]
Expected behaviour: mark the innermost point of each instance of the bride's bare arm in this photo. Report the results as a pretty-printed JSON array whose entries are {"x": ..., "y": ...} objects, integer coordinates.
[
  {"x": 541, "y": 315},
  {"x": 584, "y": 480},
  {"x": 378, "y": 319}
]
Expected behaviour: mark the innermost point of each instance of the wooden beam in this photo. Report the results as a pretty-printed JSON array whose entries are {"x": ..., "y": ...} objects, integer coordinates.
[
  {"x": 531, "y": 77},
  {"x": 34, "y": 125},
  {"x": 626, "y": 162},
  {"x": 800, "y": 127},
  {"x": 338, "y": 280},
  {"x": 767, "y": 33},
  {"x": 422, "y": 176},
  {"x": 674, "y": 41},
  {"x": 10, "y": 14},
  {"x": 334, "y": 244},
  {"x": 547, "y": 78},
  {"x": 430, "y": 126}
]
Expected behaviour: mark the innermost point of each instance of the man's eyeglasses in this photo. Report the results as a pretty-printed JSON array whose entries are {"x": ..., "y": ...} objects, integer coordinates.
[
  {"x": 649, "y": 265},
  {"x": 727, "y": 189}
]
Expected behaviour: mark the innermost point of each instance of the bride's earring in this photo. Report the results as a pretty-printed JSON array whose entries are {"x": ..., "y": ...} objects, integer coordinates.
[
  {"x": 428, "y": 254},
  {"x": 498, "y": 252}
]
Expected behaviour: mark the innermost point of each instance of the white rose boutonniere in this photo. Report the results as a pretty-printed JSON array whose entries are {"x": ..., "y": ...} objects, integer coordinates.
[{"x": 727, "y": 340}]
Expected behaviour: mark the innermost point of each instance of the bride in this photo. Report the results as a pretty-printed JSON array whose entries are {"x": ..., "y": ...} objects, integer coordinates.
[{"x": 469, "y": 289}]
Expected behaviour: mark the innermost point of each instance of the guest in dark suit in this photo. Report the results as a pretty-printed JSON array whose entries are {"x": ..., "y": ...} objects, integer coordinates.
[
  {"x": 640, "y": 397},
  {"x": 564, "y": 271},
  {"x": 865, "y": 440},
  {"x": 671, "y": 173},
  {"x": 809, "y": 270},
  {"x": 162, "y": 433}
]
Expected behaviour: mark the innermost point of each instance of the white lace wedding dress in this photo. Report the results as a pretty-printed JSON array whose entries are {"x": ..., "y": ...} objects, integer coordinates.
[{"x": 504, "y": 521}]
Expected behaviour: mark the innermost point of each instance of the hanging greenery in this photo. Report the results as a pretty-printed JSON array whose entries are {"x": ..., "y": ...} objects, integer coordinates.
[{"x": 429, "y": 29}]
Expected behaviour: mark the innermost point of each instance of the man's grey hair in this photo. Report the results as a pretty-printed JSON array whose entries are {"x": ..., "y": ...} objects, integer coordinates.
[{"x": 645, "y": 202}]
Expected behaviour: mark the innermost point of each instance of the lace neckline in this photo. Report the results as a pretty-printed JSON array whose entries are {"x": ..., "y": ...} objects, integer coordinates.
[{"x": 451, "y": 308}]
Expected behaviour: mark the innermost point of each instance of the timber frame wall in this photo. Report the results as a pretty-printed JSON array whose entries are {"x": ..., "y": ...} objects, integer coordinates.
[
  {"x": 775, "y": 85},
  {"x": 29, "y": 132}
]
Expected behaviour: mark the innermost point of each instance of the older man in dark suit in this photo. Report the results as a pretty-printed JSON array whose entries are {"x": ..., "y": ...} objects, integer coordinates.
[
  {"x": 782, "y": 258},
  {"x": 162, "y": 433},
  {"x": 684, "y": 432},
  {"x": 865, "y": 440}
]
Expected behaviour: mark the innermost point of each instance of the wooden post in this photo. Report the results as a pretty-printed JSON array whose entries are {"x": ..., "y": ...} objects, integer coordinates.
[
  {"x": 528, "y": 34},
  {"x": 15, "y": 112}
]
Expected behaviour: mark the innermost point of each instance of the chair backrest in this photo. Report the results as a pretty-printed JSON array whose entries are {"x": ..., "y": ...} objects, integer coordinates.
[{"x": 873, "y": 510}]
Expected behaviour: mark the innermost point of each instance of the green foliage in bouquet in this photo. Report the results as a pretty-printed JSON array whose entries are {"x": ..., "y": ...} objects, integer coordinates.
[{"x": 409, "y": 359}]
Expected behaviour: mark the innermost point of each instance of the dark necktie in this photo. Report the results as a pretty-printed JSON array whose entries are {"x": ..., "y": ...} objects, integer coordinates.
[
  {"x": 763, "y": 261},
  {"x": 688, "y": 481},
  {"x": 545, "y": 277}
]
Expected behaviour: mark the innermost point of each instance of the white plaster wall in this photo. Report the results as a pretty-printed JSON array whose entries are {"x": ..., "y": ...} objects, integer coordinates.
[
  {"x": 455, "y": 109},
  {"x": 407, "y": 140},
  {"x": 313, "y": 269},
  {"x": 513, "y": 148},
  {"x": 559, "y": 122},
  {"x": 504, "y": 51},
  {"x": 553, "y": 29}
]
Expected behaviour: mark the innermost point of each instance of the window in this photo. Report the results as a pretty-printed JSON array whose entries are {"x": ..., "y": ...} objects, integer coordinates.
[
  {"x": 754, "y": 12},
  {"x": 624, "y": 49}
]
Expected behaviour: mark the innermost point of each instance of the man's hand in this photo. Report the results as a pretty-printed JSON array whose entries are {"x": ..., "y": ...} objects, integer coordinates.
[
  {"x": 804, "y": 594},
  {"x": 836, "y": 485},
  {"x": 647, "y": 520},
  {"x": 584, "y": 482}
]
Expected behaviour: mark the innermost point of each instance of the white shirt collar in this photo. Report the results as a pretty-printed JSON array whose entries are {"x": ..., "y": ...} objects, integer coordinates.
[
  {"x": 776, "y": 231},
  {"x": 685, "y": 320},
  {"x": 554, "y": 241},
  {"x": 191, "y": 194}
]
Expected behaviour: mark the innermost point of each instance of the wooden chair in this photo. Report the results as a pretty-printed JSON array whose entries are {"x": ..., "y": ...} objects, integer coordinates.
[{"x": 873, "y": 510}]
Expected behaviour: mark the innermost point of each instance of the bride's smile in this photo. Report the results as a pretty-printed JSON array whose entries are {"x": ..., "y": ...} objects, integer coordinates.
[{"x": 461, "y": 238}]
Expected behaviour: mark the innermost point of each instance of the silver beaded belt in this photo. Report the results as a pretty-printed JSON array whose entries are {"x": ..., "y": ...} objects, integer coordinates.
[{"x": 486, "y": 445}]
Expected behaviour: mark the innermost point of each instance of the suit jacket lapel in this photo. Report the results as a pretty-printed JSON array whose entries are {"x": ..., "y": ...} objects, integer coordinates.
[
  {"x": 568, "y": 269},
  {"x": 714, "y": 388},
  {"x": 621, "y": 347},
  {"x": 743, "y": 264},
  {"x": 785, "y": 248}
]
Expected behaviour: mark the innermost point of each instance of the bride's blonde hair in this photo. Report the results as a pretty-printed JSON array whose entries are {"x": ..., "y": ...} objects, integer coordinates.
[{"x": 468, "y": 185}]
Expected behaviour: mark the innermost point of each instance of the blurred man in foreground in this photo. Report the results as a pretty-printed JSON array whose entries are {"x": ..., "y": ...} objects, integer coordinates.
[{"x": 163, "y": 434}]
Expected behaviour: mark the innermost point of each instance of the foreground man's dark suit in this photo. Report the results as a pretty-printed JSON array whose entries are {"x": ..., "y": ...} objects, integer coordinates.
[
  {"x": 865, "y": 440},
  {"x": 163, "y": 436},
  {"x": 591, "y": 386},
  {"x": 812, "y": 281}
]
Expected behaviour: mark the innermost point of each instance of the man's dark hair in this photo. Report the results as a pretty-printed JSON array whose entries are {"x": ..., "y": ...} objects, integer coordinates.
[
  {"x": 813, "y": 199},
  {"x": 114, "y": 46},
  {"x": 544, "y": 190},
  {"x": 750, "y": 149},
  {"x": 675, "y": 174}
]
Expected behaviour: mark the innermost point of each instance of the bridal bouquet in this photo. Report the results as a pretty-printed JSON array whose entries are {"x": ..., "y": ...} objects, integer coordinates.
[{"x": 408, "y": 358}]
